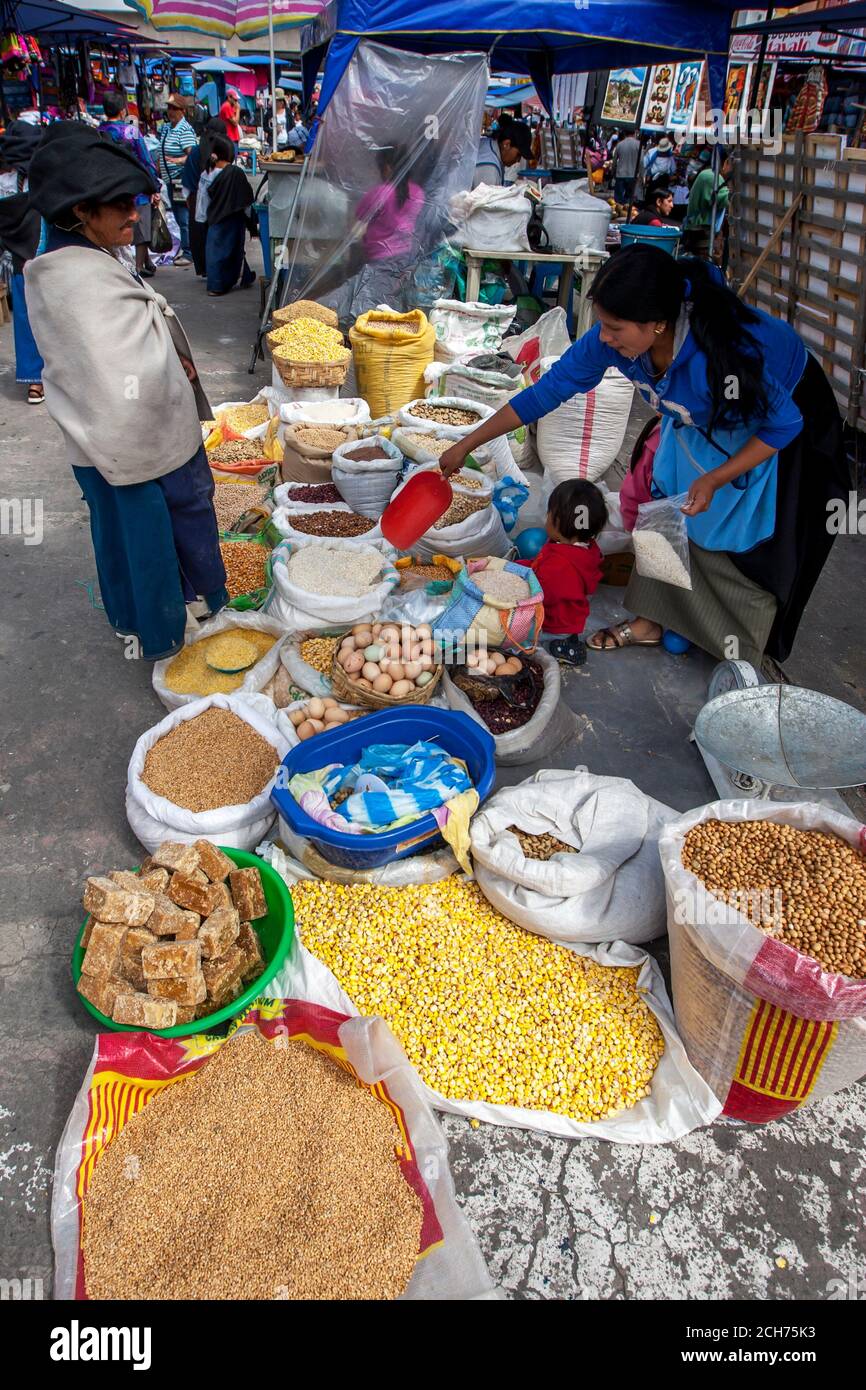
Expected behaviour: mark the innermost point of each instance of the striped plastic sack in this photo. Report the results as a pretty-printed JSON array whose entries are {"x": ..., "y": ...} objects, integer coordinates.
[
  {"x": 767, "y": 1027},
  {"x": 511, "y": 627},
  {"x": 129, "y": 1070}
]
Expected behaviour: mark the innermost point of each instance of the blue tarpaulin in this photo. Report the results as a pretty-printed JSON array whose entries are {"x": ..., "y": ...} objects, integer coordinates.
[{"x": 533, "y": 38}]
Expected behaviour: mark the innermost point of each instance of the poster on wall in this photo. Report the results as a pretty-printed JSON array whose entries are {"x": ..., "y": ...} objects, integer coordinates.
[
  {"x": 737, "y": 86},
  {"x": 687, "y": 86},
  {"x": 658, "y": 97},
  {"x": 765, "y": 87},
  {"x": 622, "y": 98}
]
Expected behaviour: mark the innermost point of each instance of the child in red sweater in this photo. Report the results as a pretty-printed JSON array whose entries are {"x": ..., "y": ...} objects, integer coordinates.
[{"x": 568, "y": 567}]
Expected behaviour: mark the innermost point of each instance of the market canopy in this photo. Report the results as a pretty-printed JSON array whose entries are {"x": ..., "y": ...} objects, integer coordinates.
[
  {"x": 498, "y": 97},
  {"x": 50, "y": 17},
  {"x": 248, "y": 19},
  {"x": 841, "y": 19},
  {"x": 532, "y": 38}
]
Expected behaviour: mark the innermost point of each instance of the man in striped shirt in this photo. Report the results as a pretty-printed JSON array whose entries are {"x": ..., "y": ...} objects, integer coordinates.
[{"x": 176, "y": 138}]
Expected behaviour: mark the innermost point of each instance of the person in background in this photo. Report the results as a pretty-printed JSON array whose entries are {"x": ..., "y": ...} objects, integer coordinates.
[
  {"x": 229, "y": 199},
  {"x": 282, "y": 121},
  {"x": 230, "y": 112},
  {"x": 20, "y": 236},
  {"x": 568, "y": 566},
  {"x": 137, "y": 457},
  {"x": 390, "y": 210},
  {"x": 118, "y": 126},
  {"x": 696, "y": 226},
  {"x": 77, "y": 111},
  {"x": 505, "y": 147},
  {"x": 299, "y": 132},
  {"x": 197, "y": 161},
  {"x": 176, "y": 139},
  {"x": 661, "y": 161},
  {"x": 657, "y": 207},
  {"x": 624, "y": 166}
]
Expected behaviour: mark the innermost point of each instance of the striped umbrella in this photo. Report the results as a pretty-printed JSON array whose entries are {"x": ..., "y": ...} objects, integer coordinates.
[{"x": 223, "y": 19}]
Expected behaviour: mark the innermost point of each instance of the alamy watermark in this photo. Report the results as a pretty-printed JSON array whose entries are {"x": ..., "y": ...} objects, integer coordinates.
[
  {"x": 699, "y": 905},
  {"x": 22, "y": 516}
]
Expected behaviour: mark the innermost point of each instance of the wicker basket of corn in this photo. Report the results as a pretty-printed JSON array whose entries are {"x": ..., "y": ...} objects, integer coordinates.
[
  {"x": 294, "y": 373},
  {"x": 309, "y": 339},
  {"x": 304, "y": 309}
]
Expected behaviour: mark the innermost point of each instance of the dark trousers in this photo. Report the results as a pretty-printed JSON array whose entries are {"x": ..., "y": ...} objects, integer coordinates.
[{"x": 197, "y": 238}]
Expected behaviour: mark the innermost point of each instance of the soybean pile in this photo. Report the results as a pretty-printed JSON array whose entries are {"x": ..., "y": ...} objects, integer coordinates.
[
  {"x": 183, "y": 1204},
  {"x": 485, "y": 1010}
]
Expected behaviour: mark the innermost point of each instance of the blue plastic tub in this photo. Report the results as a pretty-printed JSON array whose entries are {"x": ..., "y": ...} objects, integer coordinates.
[
  {"x": 665, "y": 238},
  {"x": 456, "y": 733}
]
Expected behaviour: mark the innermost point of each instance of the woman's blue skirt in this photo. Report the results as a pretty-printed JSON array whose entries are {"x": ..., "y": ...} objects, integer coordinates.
[
  {"x": 157, "y": 548},
  {"x": 224, "y": 253},
  {"x": 28, "y": 363}
]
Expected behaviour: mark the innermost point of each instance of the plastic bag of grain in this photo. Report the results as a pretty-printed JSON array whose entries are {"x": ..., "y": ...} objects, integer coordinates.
[
  {"x": 365, "y": 482},
  {"x": 330, "y": 585},
  {"x": 253, "y": 680},
  {"x": 661, "y": 543},
  {"x": 611, "y": 888},
  {"x": 582, "y": 437},
  {"x": 766, "y": 1026},
  {"x": 154, "y": 818},
  {"x": 466, "y": 329},
  {"x": 308, "y": 450}
]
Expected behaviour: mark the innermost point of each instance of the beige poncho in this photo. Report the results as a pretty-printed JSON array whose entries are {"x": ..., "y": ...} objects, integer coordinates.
[{"x": 112, "y": 376}]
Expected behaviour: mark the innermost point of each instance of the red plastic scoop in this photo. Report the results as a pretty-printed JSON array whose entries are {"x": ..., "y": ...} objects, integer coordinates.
[{"x": 426, "y": 497}]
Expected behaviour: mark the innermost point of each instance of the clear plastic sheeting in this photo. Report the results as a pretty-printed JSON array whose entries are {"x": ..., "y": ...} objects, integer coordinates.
[{"x": 398, "y": 140}]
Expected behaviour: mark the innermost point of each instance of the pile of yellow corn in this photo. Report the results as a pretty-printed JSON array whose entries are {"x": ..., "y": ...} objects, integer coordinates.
[
  {"x": 308, "y": 340},
  {"x": 485, "y": 1010}
]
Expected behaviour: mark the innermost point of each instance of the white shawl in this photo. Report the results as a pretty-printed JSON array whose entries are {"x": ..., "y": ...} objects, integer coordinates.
[{"x": 113, "y": 379}]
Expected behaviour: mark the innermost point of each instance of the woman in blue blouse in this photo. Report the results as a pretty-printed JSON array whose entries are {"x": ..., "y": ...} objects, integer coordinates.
[{"x": 750, "y": 430}]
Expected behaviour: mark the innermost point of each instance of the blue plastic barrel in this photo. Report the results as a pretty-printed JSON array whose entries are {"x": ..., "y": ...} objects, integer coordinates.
[{"x": 665, "y": 238}]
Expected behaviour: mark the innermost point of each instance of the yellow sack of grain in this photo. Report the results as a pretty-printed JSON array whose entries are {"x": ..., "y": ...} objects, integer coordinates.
[{"x": 390, "y": 353}]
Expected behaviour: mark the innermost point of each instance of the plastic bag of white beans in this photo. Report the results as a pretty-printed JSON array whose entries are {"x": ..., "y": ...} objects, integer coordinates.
[{"x": 768, "y": 1028}]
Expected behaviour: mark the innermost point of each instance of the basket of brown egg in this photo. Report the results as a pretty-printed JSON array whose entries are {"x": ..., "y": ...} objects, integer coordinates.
[{"x": 386, "y": 665}]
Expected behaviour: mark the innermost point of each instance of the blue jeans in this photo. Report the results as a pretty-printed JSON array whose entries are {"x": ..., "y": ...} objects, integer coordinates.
[
  {"x": 28, "y": 363},
  {"x": 181, "y": 212}
]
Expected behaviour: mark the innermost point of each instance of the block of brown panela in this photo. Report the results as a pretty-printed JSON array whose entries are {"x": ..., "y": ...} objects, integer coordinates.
[
  {"x": 199, "y": 897},
  {"x": 132, "y": 970},
  {"x": 189, "y": 990},
  {"x": 140, "y": 1011},
  {"x": 224, "y": 972},
  {"x": 199, "y": 876},
  {"x": 169, "y": 959},
  {"x": 110, "y": 903},
  {"x": 88, "y": 928},
  {"x": 155, "y": 880},
  {"x": 248, "y": 894},
  {"x": 248, "y": 942},
  {"x": 185, "y": 1013},
  {"x": 124, "y": 878},
  {"x": 136, "y": 940},
  {"x": 104, "y": 949},
  {"x": 216, "y": 865},
  {"x": 102, "y": 993},
  {"x": 167, "y": 918},
  {"x": 175, "y": 857},
  {"x": 218, "y": 931},
  {"x": 223, "y": 896},
  {"x": 191, "y": 923}
]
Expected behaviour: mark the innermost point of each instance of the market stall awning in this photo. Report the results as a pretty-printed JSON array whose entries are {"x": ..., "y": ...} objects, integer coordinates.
[
  {"x": 840, "y": 19},
  {"x": 51, "y": 18},
  {"x": 533, "y": 38},
  {"x": 510, "y": 96},
  {"x": 248, "y": 19}
]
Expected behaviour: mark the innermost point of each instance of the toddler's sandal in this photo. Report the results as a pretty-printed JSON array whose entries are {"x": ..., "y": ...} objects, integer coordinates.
[{"x": 570, "y": 650}]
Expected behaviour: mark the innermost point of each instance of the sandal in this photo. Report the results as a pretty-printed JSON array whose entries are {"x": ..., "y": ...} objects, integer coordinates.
[
  {"x": 569, "y": 650},
  {"x": 621, "y": 635},
  {"x": 35, "y": 394}
]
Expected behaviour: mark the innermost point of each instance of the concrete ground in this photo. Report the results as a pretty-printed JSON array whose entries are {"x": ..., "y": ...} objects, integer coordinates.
[{"x": 728, "y": 1212}]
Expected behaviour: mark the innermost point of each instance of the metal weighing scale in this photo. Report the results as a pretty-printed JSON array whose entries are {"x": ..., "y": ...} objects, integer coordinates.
[{"x": 774, "y": 742}]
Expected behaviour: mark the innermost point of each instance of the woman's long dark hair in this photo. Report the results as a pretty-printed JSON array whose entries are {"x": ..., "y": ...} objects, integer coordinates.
[
  {"x": 643, "y": 284},
  {"x": 395, "y": 159},
  {"x": 215, "y": 126}
]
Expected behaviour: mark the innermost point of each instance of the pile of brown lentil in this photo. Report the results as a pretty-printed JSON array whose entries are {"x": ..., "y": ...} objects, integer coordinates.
[
  {"x": 429, "y": 573},
  {"x": 460, "y": 509},
  {"x": 466, "y": 480},
  {"x": 189, "y": 674},
  {"x": 803, "y": 887},
  {"x": 245, "y": 562},
  {"x": 318, "y": 652},
  {"x": 331, "y": 523},
  {"x": 231, "y": 500},
  {"x": 180, "y": 1205},
  {"x": 214, "y": 759},
  {"x": 430, "y": 443},
  {"x": 541, "y": 846},
  {"x": 444, "y": 414},
  {"x": 237, "y": 451},
  {"x": 393, "y": 325}
]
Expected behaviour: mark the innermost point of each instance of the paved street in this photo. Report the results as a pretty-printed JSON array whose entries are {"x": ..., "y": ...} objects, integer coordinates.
[{"x": 728, "y": 1212}]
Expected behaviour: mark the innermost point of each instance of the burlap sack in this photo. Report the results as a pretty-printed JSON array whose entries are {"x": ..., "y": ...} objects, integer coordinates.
[{"x": 302, "y": 464}]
